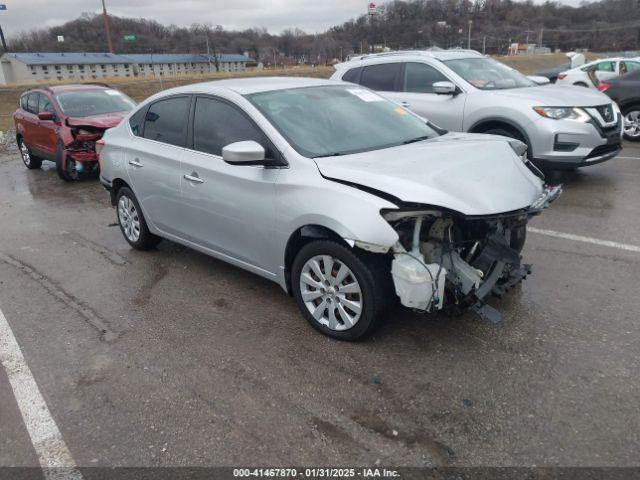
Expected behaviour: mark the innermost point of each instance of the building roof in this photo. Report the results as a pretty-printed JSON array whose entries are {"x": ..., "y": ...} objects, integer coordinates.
[
  {"x": 156, "y": 58},
  {"x": 67, "y": 58},
  {"x": 79, "y": 58}
]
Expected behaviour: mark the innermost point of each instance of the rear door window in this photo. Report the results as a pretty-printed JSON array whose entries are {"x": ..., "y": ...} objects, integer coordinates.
[
  {"x": 383, "y": 77},
  {"x": 23, "y": 102},
  {"x": 217, "y": 124},
  {"x": 44, "y": 104},
  {"x": 419, "y": 78},
  {"x": 166, "y": 121},
  {"x": 352, "y": 75},
  {"x": 605, "y": 67}
]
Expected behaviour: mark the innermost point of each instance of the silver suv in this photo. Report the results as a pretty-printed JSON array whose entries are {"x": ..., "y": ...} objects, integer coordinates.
[
  {"x": 344, "y": 198},
  {"x": 464, "y": 91}
]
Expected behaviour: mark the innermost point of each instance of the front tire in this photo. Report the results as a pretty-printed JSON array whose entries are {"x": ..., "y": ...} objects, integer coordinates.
[
  {"x": 29, "y": 160},
  {"x": 61, "y": 164},
  {"x": 132, "y": 222},
  {"x": 337, "y": 292}
]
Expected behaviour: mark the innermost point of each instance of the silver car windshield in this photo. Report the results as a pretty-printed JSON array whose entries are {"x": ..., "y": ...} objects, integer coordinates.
[
  {"x": 339, "y": 120},
  {"x": 488, "y": 74}
]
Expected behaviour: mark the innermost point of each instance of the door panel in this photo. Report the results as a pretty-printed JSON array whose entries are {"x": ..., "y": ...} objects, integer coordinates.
[
  {"x": 229, "y": 208},
  {"x": 153, "y": 161},
  {"x": 47, "y": 131},
  {"x": 446, "y": 111},
  {"x": 154, "y": 174},
  {"x": 30, "y": 121}
]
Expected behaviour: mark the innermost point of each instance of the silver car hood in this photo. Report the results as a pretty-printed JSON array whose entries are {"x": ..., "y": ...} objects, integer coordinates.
[
  {"x": 471, "y": 174},
  {"x": 557, "y": 96}
]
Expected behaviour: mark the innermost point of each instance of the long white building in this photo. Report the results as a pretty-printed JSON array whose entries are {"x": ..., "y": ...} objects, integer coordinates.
[{"x": 43, "y": 67}]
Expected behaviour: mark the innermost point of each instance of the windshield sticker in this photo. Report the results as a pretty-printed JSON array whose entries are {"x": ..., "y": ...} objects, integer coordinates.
[
  {"x": 400, "y": 111},
  {"x": 365, "y": 95},
  {"x": 115, "y": 93}
]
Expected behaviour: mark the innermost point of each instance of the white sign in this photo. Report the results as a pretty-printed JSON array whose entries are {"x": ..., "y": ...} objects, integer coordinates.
[
  {"x": 372, "y": 9},
  {"x": 365, "y": 95},
  {"x": 60, "y": 38}
]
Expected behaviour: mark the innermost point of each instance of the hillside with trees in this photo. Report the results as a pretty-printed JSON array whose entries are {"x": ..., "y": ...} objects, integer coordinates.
[{"x": 606, "y": 25}]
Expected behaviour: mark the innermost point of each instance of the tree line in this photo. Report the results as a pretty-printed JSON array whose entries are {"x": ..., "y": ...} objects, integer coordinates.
[{"x": 606, "y": 25}]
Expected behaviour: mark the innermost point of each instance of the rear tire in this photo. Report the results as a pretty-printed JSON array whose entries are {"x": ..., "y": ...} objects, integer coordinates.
[
  {"x": 338, "y": 293},
  {"x": 132, "y": 222},
  {"x": 30, "y": 161}
]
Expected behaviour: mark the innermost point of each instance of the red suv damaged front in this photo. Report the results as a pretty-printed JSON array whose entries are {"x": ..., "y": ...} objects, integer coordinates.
[{"x": 63, "y": 123}]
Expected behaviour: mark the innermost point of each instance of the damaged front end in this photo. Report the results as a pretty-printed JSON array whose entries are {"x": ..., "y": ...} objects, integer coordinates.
[
  {"x": 447, "y": 261},
  {"x": 81, "y": 158}
]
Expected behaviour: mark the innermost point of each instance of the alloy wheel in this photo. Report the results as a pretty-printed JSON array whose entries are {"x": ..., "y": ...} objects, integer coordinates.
[
  {"x": 129, "y": 218},
  {"x": 632, "y": 124},
  {"x": 331, "y": 292},
  {"x": 24, "y": 152}
]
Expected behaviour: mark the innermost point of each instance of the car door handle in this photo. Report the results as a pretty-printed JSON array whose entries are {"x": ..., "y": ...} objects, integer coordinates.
[
  {"x": 136, "y": 163},
  {"x": 405, "y": 104},
  {"x": 193, "y": 178}
]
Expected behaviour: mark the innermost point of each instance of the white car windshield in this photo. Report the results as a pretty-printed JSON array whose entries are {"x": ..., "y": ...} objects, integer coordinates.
[
  {"x": 488, "y": 74},
  {"x": 92, "y": 102},
  {"x": 339, "y": 120}
]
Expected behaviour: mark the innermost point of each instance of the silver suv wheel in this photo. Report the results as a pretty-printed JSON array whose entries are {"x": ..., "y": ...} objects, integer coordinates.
[
  {"x": 331, "y": 292},
  {"x": 632, "y": 124}
]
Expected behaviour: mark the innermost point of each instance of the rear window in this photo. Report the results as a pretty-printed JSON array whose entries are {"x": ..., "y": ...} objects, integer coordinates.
[
  {"x": 381, "y": 77},
  {"x": 136, "y": 122}
]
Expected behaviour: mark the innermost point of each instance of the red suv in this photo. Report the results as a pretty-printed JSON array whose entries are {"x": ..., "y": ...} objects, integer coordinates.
[{"x": 63, "y": 123}]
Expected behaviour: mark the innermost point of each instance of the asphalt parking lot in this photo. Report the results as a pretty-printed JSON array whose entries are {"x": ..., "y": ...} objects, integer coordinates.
[{"x": 172, "y": 358}]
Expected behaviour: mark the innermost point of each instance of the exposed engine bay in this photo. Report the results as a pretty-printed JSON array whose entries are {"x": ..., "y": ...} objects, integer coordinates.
[{"x": 451, "y": 263}]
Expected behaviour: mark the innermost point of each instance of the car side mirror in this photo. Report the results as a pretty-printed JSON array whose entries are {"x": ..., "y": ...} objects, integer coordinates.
[
  {"x": 46, "y": 116},
  {"x": 445, "y": 88},
  {"x": 539, "y": 80},
  {"x": 244, "y": 153}
]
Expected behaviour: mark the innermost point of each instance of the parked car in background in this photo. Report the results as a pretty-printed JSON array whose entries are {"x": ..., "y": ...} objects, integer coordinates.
[
  {"x": 591, "y": 74},
  {"x": 63, "y": 123},
  {"x": 337, "y": 194},
  {"x": 552, "y": 73},
  {"x": 625, "y": 91},
  {"x": 460, "y": 90}
]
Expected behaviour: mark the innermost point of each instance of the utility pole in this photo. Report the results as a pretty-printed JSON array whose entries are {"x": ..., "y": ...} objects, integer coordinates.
[
  {"x": 4, "y": 44},
  {"x": 484, "y": 44},
  {"x": 106, "y": 26},
  {"x": 469, "y": 39}
]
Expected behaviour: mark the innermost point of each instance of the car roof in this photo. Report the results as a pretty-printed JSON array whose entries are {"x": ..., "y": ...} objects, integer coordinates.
[
  {"x": 247, "y": 86},
  {"x": 400, "y": 55},
  {"x": 71, "y": 87}
]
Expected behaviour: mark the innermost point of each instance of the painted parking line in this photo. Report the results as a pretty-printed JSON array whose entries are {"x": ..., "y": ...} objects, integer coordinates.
[
  {"x": 53, "y": 454},
  {"x": 580, "y": 238}
]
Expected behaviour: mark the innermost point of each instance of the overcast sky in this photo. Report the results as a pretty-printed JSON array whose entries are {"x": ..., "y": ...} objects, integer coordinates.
[{"x": 276, "y": 15}]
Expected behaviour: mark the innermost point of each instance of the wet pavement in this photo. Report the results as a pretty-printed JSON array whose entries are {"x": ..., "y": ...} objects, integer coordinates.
[{"x": 169, "y": 357}]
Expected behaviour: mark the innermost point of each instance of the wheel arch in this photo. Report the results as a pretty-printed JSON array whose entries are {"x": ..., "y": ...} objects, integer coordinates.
[
  {"x": 116, "y": 185},
  {"x": 485, "y": 124},
  {"x": 299, "y": 238},
  {"x": 632, "y": 103}
]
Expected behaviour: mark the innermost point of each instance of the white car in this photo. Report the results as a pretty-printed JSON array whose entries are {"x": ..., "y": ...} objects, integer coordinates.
[{"x": 591, "y": 74}]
